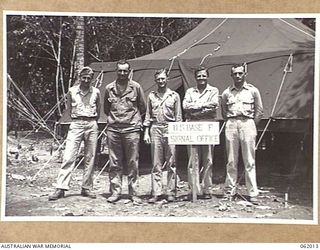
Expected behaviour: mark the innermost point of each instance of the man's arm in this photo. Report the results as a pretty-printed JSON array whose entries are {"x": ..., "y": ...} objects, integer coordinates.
[
  {"x": 213, "y": 102},
  {"x": 69, "y": 106},
  {"x": 147, "y": 122},
  {"x": 147, "y": 119},
  {"x": 188, "y": 104},
  {"x": 178, "y": 111},
  {"x": 224, "y": 107},
  {"x": 106, "y": 103},
  {"x": 258, "y": 108},
  {"x": 141, "y": 100},
  {"x": 98, "y": 104}
]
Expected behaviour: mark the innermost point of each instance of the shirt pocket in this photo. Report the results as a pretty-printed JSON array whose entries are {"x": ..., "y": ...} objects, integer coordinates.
[
  {"x": 113, "y": 103},
  {"x": 77, "y": 108},
  {"x": 131, "y": 102},
  {"x": 231, "y": 104},
  {"x": 169, "y": 110},
  {"x": 248, "y": 104},
  {"x": 92, "y": 108}
]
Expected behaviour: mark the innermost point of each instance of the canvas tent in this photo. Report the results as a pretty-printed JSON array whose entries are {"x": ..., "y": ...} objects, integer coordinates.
[{"x": 279, "y": 54}]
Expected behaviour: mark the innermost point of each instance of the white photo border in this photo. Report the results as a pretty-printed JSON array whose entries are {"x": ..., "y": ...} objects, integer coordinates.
[{"x": 314, "y": 221}]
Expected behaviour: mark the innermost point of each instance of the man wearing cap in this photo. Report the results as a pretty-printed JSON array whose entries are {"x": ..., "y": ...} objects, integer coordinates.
[
  {"x": 200, "y": 104},
  {"x": 242, "y": 109},
  {"x": 124, "y": 104},
  {"x": 163, "y": 106},
  {"x": 83, "y": 105}
]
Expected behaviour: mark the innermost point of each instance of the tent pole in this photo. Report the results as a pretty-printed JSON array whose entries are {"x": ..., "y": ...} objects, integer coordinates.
[
  {"x": 262, "y": 134},
  {"x": 104, "y": 166},
  {"x": 98, "y": 80},
  {"x": 287, "y": 68},
  {"x": 44, "y": 165}
]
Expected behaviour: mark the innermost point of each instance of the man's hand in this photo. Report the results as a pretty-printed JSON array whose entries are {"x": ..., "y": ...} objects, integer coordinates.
[{"x": 146, "y": 137}]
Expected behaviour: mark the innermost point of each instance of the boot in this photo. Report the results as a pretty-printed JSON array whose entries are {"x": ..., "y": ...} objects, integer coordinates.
[
  {"x": 88, "y": 193},
  {"x": 59, "y": 193}
]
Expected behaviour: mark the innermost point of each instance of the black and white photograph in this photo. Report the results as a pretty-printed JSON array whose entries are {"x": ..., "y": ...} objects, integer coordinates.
[{"x": 160, "y": 118}]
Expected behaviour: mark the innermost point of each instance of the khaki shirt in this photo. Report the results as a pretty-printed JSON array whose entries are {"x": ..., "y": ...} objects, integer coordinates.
[
  {"x": 124, "y": 110},
  {"x": 162, "y": 110},
  {"x": 84, "y": 104},
  {"x": 243, "y": 102},
  {"x": 201, "y": 106}
]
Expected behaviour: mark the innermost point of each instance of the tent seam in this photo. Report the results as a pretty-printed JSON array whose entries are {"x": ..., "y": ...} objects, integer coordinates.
[{"x": 306, "y": 33}]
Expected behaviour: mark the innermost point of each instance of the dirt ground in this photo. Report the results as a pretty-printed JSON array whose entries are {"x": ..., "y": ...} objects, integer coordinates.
[{"x": 27, "y": 155}]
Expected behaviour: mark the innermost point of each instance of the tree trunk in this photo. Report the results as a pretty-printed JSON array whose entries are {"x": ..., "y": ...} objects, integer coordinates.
[
  {"x": 72, "y": 67},
  {"x": 59, "y": 71},
  {"x": 79, "y": 45}
]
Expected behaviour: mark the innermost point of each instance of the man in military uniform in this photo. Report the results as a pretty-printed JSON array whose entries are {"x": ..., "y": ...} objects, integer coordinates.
[
  {"x": 200, "y": 104},
  {"x": 83, "y": 104},
  {"x": 163, "y": 106},
  {"x": 242, "y": 109},
  {"x": 124, "y": 104}
]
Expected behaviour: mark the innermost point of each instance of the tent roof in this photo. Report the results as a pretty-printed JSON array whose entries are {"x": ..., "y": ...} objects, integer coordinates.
[
  {"x": 238, "y": 36},
  {"x": 265, "y": 44}
]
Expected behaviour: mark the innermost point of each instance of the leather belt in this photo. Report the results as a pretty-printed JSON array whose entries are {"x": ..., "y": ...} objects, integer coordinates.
[{"x": 84, "y": 118}]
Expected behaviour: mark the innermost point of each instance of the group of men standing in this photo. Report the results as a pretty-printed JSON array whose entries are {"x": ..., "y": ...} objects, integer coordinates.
[{"x": 125, "y": 107}]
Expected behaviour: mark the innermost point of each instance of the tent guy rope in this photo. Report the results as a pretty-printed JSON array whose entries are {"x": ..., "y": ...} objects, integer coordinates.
[{"x": 172, "y": 59}]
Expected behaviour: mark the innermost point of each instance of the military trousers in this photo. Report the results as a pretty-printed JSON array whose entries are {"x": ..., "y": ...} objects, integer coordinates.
[
  {"x": 241, "y": 133},
  {"x": 79, "y": 130},
  {"x": 163, "y": 159},
  {"x": 124, "y": 159},
  {"x": 200, "y": 167}
]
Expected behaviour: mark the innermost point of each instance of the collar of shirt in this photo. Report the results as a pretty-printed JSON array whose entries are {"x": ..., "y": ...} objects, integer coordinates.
[
  {"x": 129, "y": 88},
  {"x": 244, "y": 86},
  {"x": 208, "y": 88},
  {"x": 79, "y": 91},
  {"x": 166, "y": 94}
]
